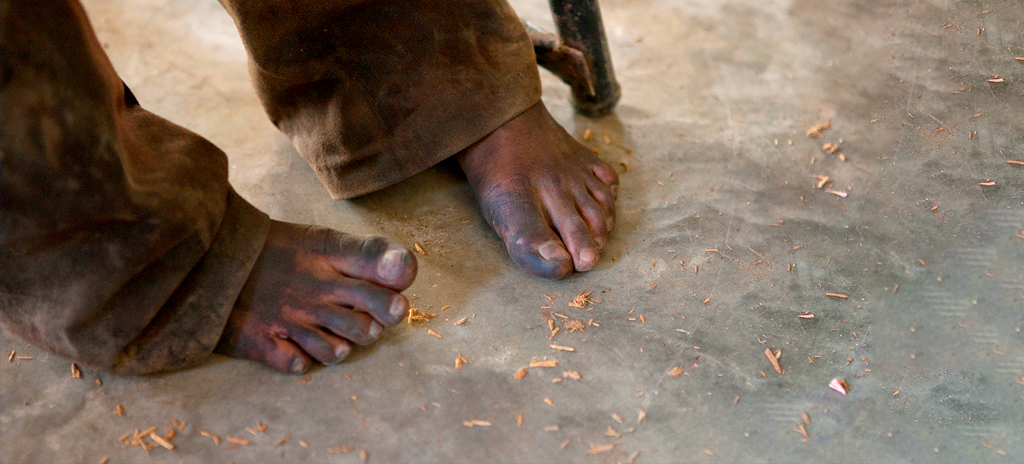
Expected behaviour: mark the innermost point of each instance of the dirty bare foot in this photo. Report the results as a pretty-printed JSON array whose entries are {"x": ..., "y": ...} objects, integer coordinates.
[
  {"x": 549, "y": 198},
  {"x": 312, "y": 293}
]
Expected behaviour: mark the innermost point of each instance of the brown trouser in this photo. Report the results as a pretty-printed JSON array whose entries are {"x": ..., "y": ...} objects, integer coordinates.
[{"x": 123, "y": 245}]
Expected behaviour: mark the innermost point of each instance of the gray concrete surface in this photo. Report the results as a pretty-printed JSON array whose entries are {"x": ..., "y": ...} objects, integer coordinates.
[{"x": 713, "y": 94}]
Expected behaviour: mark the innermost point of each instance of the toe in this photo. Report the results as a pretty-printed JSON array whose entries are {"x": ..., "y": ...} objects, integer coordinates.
[
  {"x": 575, "y": 234},
  {"x": 354, "y": 326},
  {"x": 540, "y": 252},
  {"x": 283, "y": 355},
  {"x": 383, "y": 304},
  {"x": 374, "y": 258},
  {"x": 605, "y": 173},
  {"x": 595, "y": 217},
  {"x": 321, "y": 346},
  {"x": 605, "y": 197}
]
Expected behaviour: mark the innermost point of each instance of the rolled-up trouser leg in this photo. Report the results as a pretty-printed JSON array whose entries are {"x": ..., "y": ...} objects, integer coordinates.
[{"x": 122, "y": 245}]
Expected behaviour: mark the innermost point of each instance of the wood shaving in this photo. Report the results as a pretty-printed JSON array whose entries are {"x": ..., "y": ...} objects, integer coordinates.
[
  {"x": 415, "y": 315},
  {"x": 76, "y": 373},
  {"x": 632, "y": 457},
  {"x": 251, "y": 430},
  {"x": 587, "y": 134},
  {"x": 799, "y": 428},
  {"x": 571, "y": 375},
  {"x": 601, "y": 449},
  {"x": 709, "y": 452},
  {"x": 837, "y": 193},
  {"x": 565, "y": 443},
  {"x": 431, "y": 332},
  {"x": 774, "y": 360},
  {"x": 303, "y": 444},
  {"x": 675, "y": 371},
  {"x": 340, "y": 449},
  {"x": 611, "y": 432},
  {"x": 282, "y": 441},
  {"x": 616, "y": 418},
  {"x": 1018, "y": 163},
  {"x": 562, "y": 348},
  {"x": 550, "y": 402},
  {"x": 607, "y": 139},
  {"x": 519, "y": 420},
  {"x": 830, "y": 148},
  {"x": 520, "y": 373},
  {"x": 996, "y": 80},
  {"x": 573, "y": 325},
  {"x": 261, "y": 426},
  {"x": 582, "y": 300},
  {"x": 214, "y": 437},
  {"x": 161, "y": 441},
  {"x": 839, "y": 385},
  {"x": 551, "y": 363},
  {"x": 237, "y": 440},
  {"x": 838, "y": 295},
  {"x": 104, "y": 460},
  {"x": 364, "y": 455},
  {"x": 419, "y": 249},
  {"x": 303, "y": 380},
  {"x": 459, "y": 361},
  {"x": 476, "y": 423},
  {"x": 461, "y": 321},
  {"x": 805, "y": 417},
  {"x": 816, "y": 130},
  {"x": 552, "y": 428},
  {"x": 640, "y": 416},
  {"x": 119, "y": 411},
  {"x": 11, "y": 357},
  {"x": 822, "y": 180}
]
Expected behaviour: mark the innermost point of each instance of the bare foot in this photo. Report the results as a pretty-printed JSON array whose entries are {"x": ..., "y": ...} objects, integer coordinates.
[
  {"x": 549, "y": 198},
  {"x": 315, "y": 291}
]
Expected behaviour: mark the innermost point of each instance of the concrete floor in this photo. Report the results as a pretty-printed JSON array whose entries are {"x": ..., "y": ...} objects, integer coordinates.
[{"x": 717, "y": 98}]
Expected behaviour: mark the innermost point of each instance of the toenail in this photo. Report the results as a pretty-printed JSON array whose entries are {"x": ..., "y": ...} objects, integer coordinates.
[
  {"x": 341, "y": 352},
  {"x": 588, "y": 255},
  {"x": 390, "y": 266},
  {"x": 397, "y": 306},
  {"x": 298, "y": 366},
  {"x": 375, "y": 329},
  {"x": 553, "y": 251},
  {"x": 600, "y": 241}
]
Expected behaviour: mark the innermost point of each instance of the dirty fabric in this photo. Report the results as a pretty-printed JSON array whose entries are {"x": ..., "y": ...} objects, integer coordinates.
[
  {"x": 371, "y": 93},
  {"x": 124, "y": 246}
]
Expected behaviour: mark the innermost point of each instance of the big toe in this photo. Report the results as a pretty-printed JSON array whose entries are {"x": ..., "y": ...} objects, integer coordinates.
[
  {"x": 541, "y": 253},
  {"x": 375, "y": 259}
]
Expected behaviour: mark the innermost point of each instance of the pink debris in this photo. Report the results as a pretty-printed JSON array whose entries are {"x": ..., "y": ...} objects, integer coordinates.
[{"x": 839, "y": 385}]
